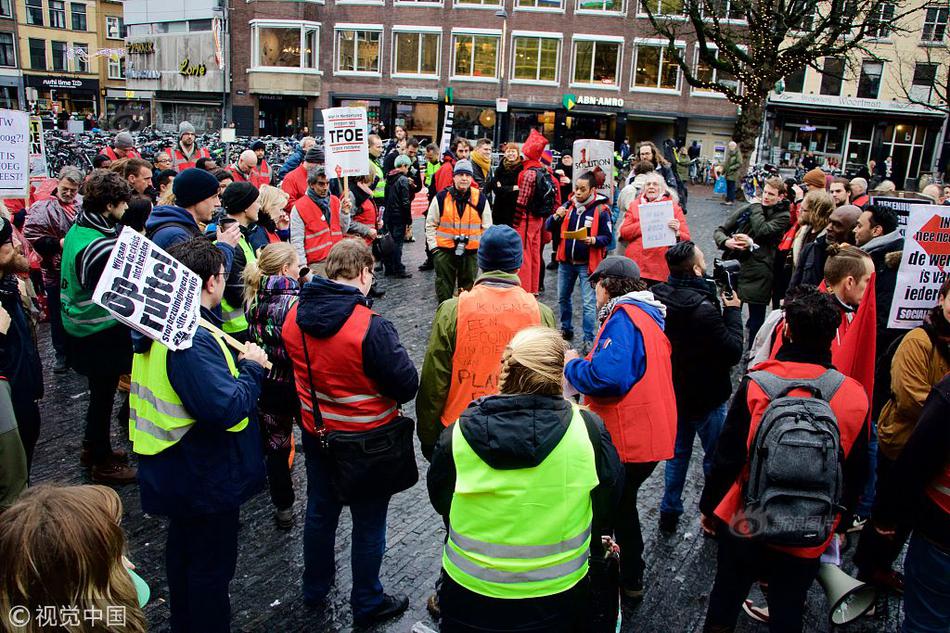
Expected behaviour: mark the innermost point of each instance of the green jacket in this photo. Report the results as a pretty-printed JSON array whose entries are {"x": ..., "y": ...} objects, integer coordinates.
[
  {"x": 437, "y": 366},
  {"x": 682, "y": 165},
  {"x": 766, "y": 226},
  {"x": 731, "y": 164}
]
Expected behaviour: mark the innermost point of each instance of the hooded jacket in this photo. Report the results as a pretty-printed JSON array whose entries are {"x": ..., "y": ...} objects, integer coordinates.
[
  {"x": 47, "y": 222},
  {"x": 398, "y": 200},
  {"x": 520, "y": 431},
  {"x": 532, "y": 150},
  {"x": 706, "y": 344},
  {"x": 766, "y": 226}
]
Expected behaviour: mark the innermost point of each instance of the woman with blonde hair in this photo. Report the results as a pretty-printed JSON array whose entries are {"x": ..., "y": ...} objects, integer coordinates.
[
  {"x": 652, "y": 261},
  {"x": 273, "y": 223},
  {"x": 271, "y": 288},
  {"x": 62, "y": 547},
  {"x": 813, "y": 218},
  {"x": 511, "y": 458}
]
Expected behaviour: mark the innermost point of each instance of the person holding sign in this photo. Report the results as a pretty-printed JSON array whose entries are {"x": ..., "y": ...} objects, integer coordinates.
[
  {"x": 584, "y": 226},
  {"x": 318, "y": 220},
  {"x": 643, "y": 231},
  {"x": 193, "y": 424},
  {"x": 97, "y": 345}
]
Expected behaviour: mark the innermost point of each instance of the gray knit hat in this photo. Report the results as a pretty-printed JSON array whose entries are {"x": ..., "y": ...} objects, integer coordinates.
[
  {"x": 185, "y": 128},
  {"x": 123, "y": 140}
]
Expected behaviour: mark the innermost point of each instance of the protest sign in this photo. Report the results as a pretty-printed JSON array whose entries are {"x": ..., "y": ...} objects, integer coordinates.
[
  {"x": 925, "y": 265},
  {"x": 596, "y": 156},
  {"x": 901, "y": 207},
  {"x": 347, "y": 141},
  {"x": 148, "y": 290},
  {"x": 446, "y": 139},
  {"x": 654, "y": 220},
  {"x": 39, "y": 171},
  {"x": 14, "y": 152}
]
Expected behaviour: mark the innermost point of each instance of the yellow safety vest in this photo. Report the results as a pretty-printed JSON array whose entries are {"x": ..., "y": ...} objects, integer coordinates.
[{"x": 233, "y": 316}]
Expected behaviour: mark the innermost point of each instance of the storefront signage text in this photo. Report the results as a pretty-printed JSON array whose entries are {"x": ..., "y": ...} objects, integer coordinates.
[
  {"x": 606, "y": 102},
  {"x": 140, "y": 48},
  {"x": 419, "y": 93},
  {"x": 56, "y": 82},
  {"x": 188, "y": 69}
]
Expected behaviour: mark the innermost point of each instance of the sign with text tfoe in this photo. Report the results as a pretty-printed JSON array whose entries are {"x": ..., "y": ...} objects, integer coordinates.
[
  {"x": 925, "y": 265},
  {"x": 347, "y": 142},
  {"x": 14, "y": 152},
  {"x": 148, "y": 290}
]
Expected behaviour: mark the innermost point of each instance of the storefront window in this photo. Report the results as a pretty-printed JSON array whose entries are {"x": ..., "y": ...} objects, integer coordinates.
[
  {"x": 57, "y": 14},
  {"x": 524, "y": 122},
  {"x": 416, "y": 53},
  {"x": 859, "y": 146},
  {"x": 8, "y": 98},
  {"x": 654, "y": 68},
  {"x": 128, "y": 115},
  {"x": 596, "y": 62},
  {"x": 606, "y": 6},
  {"x": 7, "y": 50},
  {"x": 475, "y": 55},
  {"x": 283, "y": 46},
  {"x": 473, "y": 122},
  {"x": 59, "y": 55},
  {"x": 869, "y": 84},
  {"x": 536, "y": 58},
  {"x": 370, "y": 105},
  {"x": 822, "y": 137},
  {"x": 205, "y": 118},
  {"x": 831, "y": 76},
  {"x": 357, "y": 51},
  {"x": 420, "y": 120},
  {"x": 34, "y": 12},
  {"x": 904, "y": 143}
]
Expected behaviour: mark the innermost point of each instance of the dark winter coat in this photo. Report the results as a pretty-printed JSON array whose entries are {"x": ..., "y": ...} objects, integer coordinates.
[
  {"x": 885, "y": 268},
  {"x": 398, "y": 203},
  {"x": 706, "y": 344},
  {"x": 19, "y": 360},
  {"x": 502, "y": 186},
  {"x": 47, "y": 222},
  {"x": 170, "y": 224},
  {"x": 766, "y": 226},
  {"x": 811, "y": 264}
]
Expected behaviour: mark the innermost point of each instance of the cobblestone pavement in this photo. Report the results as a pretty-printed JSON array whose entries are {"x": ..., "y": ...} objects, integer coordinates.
[{"x": 265, "y": 593}]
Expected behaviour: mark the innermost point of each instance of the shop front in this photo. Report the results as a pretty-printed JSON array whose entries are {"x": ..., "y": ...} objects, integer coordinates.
[
  {"x": 11, "y": 90},
  {"x": 65, "y": 96},
  {"x": 281, "y": 115},
  {"x": 128, "y": 109},
  {"x": 417, "y": 110}
]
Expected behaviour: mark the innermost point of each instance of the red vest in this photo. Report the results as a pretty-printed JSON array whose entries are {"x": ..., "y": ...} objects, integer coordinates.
[
  {"x": 109, "y": 151},
  {"x": 295, "y": 186},
  {"x": 180, "y": 162},
  {"x": 595, "y": 254},
  {"x": 642, "y": 423},
  {"x": 318, "y": 238},
  {"x": 347, "y": 398},
  {"x": 237, "y": 176},
  {"x": 488, "y": 318},
  {"x": 850, "y": 405},
  {"x": 367, "y": 214},
  {"x": 262, "y": 174}
]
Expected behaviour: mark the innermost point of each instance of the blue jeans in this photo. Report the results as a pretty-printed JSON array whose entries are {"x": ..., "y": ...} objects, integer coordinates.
[
  {"x": 866, "y": 501},
  {"x": 926, "y": 588},
  {"x": 708, "y": 429},
  {"x": 730, "y": 190},
  {"x": 567, "y": 275},
  {"x": 319, "y": 538}
]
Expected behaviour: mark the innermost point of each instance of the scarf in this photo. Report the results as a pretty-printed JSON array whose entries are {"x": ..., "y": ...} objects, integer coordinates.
[
  {"x": 323, "y": 203},
  {"x": 482, "y": 162},
  {"x": 512, "y": 165}
]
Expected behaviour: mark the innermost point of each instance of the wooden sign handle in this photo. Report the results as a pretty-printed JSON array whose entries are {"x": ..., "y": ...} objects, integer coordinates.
[{"x": 233, "y": 342}]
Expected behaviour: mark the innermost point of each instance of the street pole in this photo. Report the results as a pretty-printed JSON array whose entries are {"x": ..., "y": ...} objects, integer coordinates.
[{"x": 503, "y": 14}]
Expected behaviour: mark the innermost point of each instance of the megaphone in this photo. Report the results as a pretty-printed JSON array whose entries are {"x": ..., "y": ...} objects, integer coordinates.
[{"x": 848, "y": 597}]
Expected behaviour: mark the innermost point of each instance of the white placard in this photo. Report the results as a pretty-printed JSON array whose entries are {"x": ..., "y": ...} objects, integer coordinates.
[
  {"x": 14, "y": 152},
  {"x": 148, "y": 290},
  {"x": 346, "y": 141},
  {"x": 595, "y": 155},
  {"x": 446, "y": 139},
  {"x": 39, "y": 170},
  {"x": 228, "y": 134},
  {"x": 654, "y": 218},
  {"x": 925, "y": 265}
]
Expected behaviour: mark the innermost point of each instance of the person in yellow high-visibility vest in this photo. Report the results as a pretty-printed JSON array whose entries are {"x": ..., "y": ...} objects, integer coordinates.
[
  {"x": 241, "y": 205},
  {"x": 508, "y": 461}
]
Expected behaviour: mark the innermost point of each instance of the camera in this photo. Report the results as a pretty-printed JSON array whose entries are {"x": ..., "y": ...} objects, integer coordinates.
[
  {"x": 726, "y": 274},
  {"x": 460, "y": 242}
]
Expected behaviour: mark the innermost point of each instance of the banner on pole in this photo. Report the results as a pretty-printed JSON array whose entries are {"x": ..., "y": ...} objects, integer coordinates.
[
  {"x": 14, "y": 153},
  {"x": 445, "y": 141},
  {"x": 347, "y": 141},
  {"x": 39, "y": 171},
  {"x": 654, "y": 224},
  {"x": 592, "y": 155},
  {"x": 145, "y": 288},
  {"x": 925, "y": 265}
]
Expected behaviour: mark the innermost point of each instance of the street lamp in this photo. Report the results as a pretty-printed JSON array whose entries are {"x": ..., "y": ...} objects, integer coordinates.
[{"x": 503, "y": 14}]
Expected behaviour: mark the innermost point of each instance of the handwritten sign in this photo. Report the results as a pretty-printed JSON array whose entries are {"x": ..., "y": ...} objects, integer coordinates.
[
  {"x": 148, "y": 290},
  {"x": 596, "y": 156},
  {"x": 14, "y": 152},
  {"x": 347, "y": 141},
  {"x": 654, "y": 220},
  {"x": 39, "y": 170},
  {"x": 925, "y": 265}
]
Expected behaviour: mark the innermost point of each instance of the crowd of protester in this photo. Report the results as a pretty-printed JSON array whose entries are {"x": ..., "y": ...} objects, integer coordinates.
[{"x": 537, "y": 450}]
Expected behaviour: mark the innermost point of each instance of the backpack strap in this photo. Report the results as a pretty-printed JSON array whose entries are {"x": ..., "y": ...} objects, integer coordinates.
[{"x": 824, "y": 386}]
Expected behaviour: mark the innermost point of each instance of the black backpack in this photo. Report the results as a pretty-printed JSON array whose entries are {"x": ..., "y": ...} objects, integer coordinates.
[
  {"x": 795, "y": 481},
  {"x": 544, "y": 200}
]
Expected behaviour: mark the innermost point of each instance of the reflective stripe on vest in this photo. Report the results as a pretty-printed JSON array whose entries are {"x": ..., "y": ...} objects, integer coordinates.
[
  {"x": 522, "y": 557},
  {"x": 319, "y": 237},
  {"x": 347, "y": 398},
  {"x": 452, "y": 225},
  {"x": 380, "y": 190},
  {"x": 233, "y": 317},
  {"x": 488, "y": 318},
  {"x": 157, "y": 417},
  {"x": 939, "y": 490},
  {"x": 81, "y": 315},
  {"x": 180, "y": 162}
]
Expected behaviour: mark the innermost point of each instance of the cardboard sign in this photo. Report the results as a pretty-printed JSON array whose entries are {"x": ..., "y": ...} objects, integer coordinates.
[
  {"x": 14, "y": 152},
  {"x": 654, "y": 218},
  {"x": 346, "y": 141},
  {"x": 591, "y": 155},
  {"x": 925, "y": 265},
  {"x": 148, "y": 290}
]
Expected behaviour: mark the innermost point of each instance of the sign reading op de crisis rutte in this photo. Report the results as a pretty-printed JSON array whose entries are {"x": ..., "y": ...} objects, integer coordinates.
[
  {"x": 14, "y": 152},
  {"x": 347, "y": 142},
  {"x": 150, "y": 291},
  {"x": 925, "y": 265}
]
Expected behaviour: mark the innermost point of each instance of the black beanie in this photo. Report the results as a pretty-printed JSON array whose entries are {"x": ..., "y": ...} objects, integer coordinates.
[
  {"x": 238, "y": 197},
  {"x": 194, "y": 185}
]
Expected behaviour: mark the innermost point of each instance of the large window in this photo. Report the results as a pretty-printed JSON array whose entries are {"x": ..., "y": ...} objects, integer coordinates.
[
  {"x": 654, "y": 67},
  {"x": 116, "y": 68},
  {"x": 476, "y": 3},
  {"x": 57, "y": 14},
  {"x": 869, "y": 83},
  {"x": 80, "y": 58},
  {"x": 880, "y": 21},
  {"x": 115, "y": 28},
  {"x": 7, "y": 50},
  {"x": 6, "y": 8},
  {"x": 935, "y": 24},
  {"x": 475, "y": 55},
  {"x": 831, "y": 76},
  {"x": 59, "y": 55},
  {"x": 416, "y": 53},
  {"x": 37, "y": 54},
  {"x": 34, "y": 12},
  {"x": 709, "y": 74},
  {"x": 796, "y": 81},
  {"x": 285, "y": 44},
  {"x": 725, "y": 9},
  {"x": 540, "y": 5},
  {"x": 601, "y": 6},
  {"x": 922, "y": 84},
  {"x": 662, "y": 7},
  {"x": 597, "y": 62},
  {"x": 357, "y": 51},
  {"x": 79, "y": 16},
  {"x": 535, "y": 58}
]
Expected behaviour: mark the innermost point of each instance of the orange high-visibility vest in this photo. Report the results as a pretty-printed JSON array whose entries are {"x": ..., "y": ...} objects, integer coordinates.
[
  {"x": 109, "y": 151},
  {"x": 318, "y": 237},
  {"x": 180, "y": 162},
  {"x": 261, "y": 175},
  {"x": 452, "y": 225},
  {"x": 488, "y": 317}
]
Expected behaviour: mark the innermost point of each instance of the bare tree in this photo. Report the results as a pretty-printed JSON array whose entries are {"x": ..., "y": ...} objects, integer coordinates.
[
  {"x": 746, "y": 46},
  {"x": 925, "y": 81}
]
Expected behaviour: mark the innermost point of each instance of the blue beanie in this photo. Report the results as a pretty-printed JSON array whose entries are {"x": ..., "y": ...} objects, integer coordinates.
[
  {"x": 500, "y": 248},
  {"x": 194, "y": 185}
]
